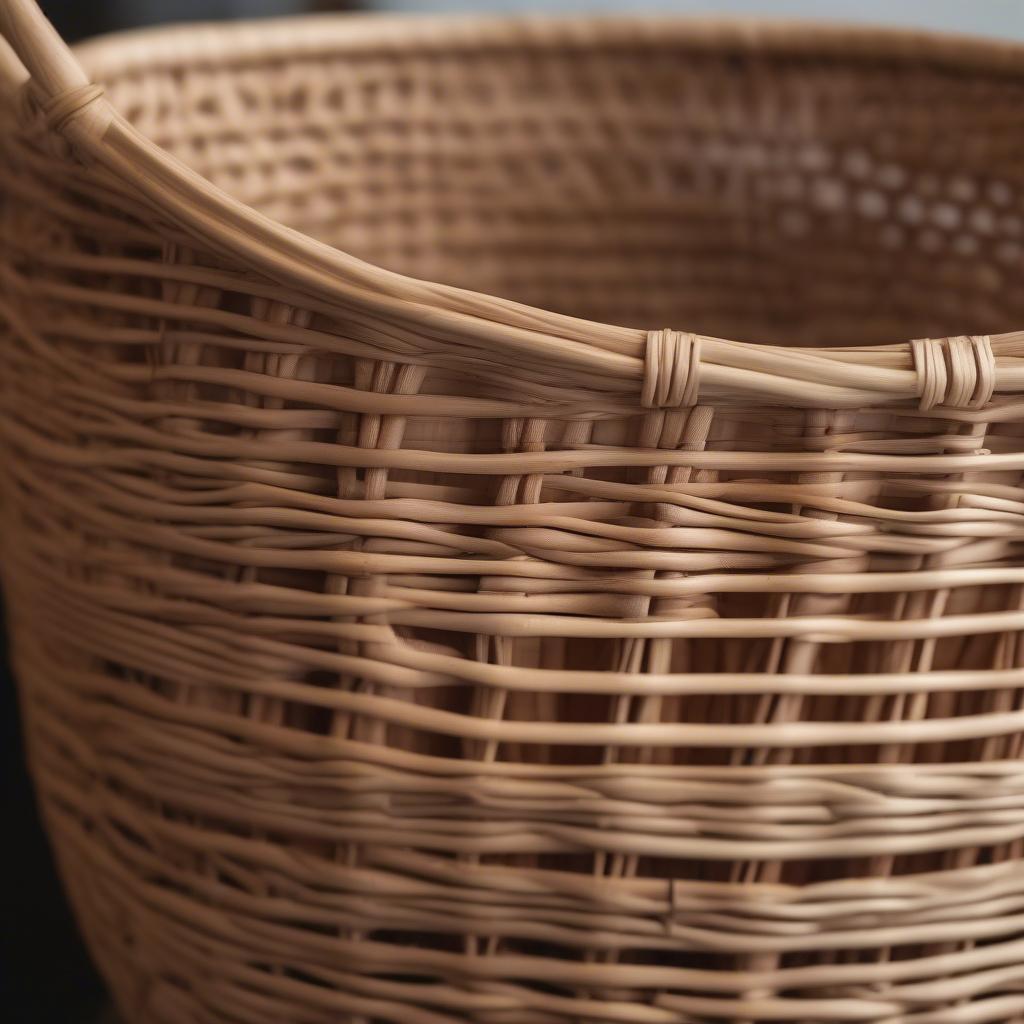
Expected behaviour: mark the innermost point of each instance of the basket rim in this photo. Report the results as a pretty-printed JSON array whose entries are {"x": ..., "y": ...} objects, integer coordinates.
[
  {"x": 252, "y": 38},
  {"x": 610, "y": 356}
]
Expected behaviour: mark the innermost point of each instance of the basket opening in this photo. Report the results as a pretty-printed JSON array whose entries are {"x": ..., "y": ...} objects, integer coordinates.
[{"x": 780, "y": 197}]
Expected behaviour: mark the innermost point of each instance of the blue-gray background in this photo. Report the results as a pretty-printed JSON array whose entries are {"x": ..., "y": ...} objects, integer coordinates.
[{"x": 45, "y": 975}]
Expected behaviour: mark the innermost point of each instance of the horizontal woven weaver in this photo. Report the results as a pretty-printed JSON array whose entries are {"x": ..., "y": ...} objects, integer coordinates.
[{"x": 393, "y": 652}]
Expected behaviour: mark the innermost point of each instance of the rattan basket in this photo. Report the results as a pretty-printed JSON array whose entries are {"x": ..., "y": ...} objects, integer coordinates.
[{"x": 395, "y": 652}]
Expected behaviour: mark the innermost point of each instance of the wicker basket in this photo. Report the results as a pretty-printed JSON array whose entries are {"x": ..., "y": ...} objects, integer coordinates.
[{"x": 393, "y": 652}]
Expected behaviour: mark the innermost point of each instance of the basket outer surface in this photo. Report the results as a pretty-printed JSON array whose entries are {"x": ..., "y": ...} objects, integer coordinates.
[{"x": 394, "y": 652}]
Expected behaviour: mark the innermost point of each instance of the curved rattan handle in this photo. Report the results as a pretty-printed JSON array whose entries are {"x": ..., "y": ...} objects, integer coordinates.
[
  {"x": 39, "y": 47},
  {"x": 72, "y": 103}
]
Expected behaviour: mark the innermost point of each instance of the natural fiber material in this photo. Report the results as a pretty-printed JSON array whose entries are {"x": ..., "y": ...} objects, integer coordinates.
[{"x": 393, "y": 652}]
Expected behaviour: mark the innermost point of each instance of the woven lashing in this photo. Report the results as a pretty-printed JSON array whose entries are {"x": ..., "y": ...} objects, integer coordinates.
[
  {"x": 671, "y": 369},
  {"x": 958, "y": 372},
  {"x": 68, "y": 105},
  {"x": 424, "y": 613}
]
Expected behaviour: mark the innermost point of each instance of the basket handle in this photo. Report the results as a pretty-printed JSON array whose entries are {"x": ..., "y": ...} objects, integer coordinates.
[
  {"x": 74, "y": 106},
  {"x": 40, "y": 48}
]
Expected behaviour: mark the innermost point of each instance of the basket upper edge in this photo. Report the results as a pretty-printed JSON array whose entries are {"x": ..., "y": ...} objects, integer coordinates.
[
  {"x": 240, "y": 41},
  {"x": 509, "y": 329}
]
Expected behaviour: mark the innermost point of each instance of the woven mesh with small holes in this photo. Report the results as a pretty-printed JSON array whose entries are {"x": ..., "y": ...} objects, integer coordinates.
[{"x": 391, "y": 651}]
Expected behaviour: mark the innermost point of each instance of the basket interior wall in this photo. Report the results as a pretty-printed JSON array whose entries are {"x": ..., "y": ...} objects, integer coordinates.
[{"x": 783, "y": 197}]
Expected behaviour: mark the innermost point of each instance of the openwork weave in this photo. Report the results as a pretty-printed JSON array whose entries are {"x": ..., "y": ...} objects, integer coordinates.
[{"x": 391, "y": 652}]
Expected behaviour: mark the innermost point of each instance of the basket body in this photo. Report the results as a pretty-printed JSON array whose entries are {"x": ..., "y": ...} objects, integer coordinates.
[{"x": 371, "y": 673}]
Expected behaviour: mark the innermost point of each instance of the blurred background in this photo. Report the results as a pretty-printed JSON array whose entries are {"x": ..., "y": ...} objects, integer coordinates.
[
  {"x": 44, "y": 971},
  {"x": 988, "y": 17}
]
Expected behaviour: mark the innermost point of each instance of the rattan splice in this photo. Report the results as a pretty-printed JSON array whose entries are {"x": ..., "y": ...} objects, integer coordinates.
[{"x": 391, "y": 651}]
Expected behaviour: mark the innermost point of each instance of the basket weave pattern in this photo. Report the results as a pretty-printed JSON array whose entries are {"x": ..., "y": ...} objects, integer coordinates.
[{"x": 393, "y": 653}]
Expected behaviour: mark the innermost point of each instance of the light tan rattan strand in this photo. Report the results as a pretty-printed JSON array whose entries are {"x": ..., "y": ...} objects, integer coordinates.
[{"x": 390, "y": 651}]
